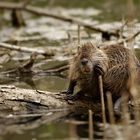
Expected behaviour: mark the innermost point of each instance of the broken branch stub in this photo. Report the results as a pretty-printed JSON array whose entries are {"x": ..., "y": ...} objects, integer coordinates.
[{"x": 25, "y": 49}]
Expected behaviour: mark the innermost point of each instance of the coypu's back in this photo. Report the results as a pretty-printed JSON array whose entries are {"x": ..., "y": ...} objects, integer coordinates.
[
  {"x": 117, "y": 63},
  {"x": 118, "y": 54},
  {"x": 122, "y": 71}
]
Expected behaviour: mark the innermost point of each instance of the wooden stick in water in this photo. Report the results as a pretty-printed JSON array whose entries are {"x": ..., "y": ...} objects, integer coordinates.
[
  {"x": 79, "y": 38},
  {"x": 110, "y": 108},
  {"x": 125, "y": 110},
  {"x": 102, "y": 99},
  {"x": 90, "y": 125},
  {"x": 136, "y": 112}
]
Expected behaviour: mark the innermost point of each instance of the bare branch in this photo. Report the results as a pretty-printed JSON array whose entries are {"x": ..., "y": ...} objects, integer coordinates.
[
  {"x": 39, "y": 11},
  {"x": 25, "y": 49},
  {"x": 121, "y": 41},
  {"x": 58, "y": 70}
]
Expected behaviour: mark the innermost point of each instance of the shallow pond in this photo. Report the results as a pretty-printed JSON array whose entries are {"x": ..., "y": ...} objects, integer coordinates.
[{"x": 55, "y": 34}]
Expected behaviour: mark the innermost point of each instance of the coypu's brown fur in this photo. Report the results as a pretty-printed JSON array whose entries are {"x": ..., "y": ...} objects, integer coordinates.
[{"x": 117, "y": 65}]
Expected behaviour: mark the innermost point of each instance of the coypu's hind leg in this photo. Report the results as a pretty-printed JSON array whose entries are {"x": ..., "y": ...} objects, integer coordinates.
[
  {"x": 117, "y": 106},
  {"x": 122, "y": 102}
]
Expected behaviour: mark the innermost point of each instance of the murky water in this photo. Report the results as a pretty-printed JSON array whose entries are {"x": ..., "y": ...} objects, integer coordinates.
[{"x": 53, "y": 33}]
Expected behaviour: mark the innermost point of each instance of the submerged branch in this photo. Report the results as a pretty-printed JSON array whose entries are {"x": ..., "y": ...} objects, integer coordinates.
[
  {"x": 121, "y": 41},
  {"x": 58, "y": 70},
  {"x": 132, "y": 37},
  {"x": 39, "y": 11},
  {"x": 25, "y": 49}
]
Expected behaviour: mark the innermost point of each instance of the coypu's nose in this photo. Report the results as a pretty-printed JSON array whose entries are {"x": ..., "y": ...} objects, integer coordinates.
[{"x": 84, "y": 61}]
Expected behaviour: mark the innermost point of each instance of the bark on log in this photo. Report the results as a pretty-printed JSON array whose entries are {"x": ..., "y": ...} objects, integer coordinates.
[
  {"x": 23, "y": 109},
  {"x": 44, "y": 98}
]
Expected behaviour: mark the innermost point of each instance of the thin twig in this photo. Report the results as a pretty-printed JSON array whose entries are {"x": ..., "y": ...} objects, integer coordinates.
[
  {"x": 132, "y": 37},
  {"x": 58, "y": 70},
  {"x": 110, "y": 108},
  {"x": 121, "y": 41},
  {"x": 25, "y": 49},
  {"x": 79, "y": 38},
  {"x": 124, "y": 23},
  {"x": 102, "y": 99},
  {"x": 90, "y": 125}
]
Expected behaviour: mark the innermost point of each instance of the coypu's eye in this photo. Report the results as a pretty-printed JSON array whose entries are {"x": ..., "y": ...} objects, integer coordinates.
[{"x": 84, "y": 61}]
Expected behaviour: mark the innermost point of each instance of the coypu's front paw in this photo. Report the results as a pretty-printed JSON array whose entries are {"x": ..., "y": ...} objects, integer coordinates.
[
  {"x": 98, "y": 70},
  {"x": 67, "y": 92},
  {"x": 71, "y": 97}
]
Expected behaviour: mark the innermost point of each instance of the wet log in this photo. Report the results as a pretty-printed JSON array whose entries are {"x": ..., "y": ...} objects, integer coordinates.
[
  {"x": 23, "y": 109},
  {"x": 49, "y": 100}
]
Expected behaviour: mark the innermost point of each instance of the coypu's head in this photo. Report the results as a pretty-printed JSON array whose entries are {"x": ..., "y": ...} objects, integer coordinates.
[{"x": 84, "y": 57}]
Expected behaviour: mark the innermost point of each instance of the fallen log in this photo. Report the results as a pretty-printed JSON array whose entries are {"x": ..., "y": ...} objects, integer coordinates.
[
  {"x": 42, "y": 98},
  {"x": 23, "y": 109},
  {"x": 26, "y": 49}
]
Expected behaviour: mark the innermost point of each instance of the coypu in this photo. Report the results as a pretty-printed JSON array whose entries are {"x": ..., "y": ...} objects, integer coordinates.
[{"x": 116, "y": 63}]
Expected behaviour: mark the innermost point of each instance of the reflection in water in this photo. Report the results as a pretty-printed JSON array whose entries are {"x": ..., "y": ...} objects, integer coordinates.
[
  {"x": 51, "y": 83},
  {"x": 36, "y": 123},
  {"x": 45, "y": 132},
  {"x": 39, "y": 127},
  {"x": 46, "y": 83}
]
